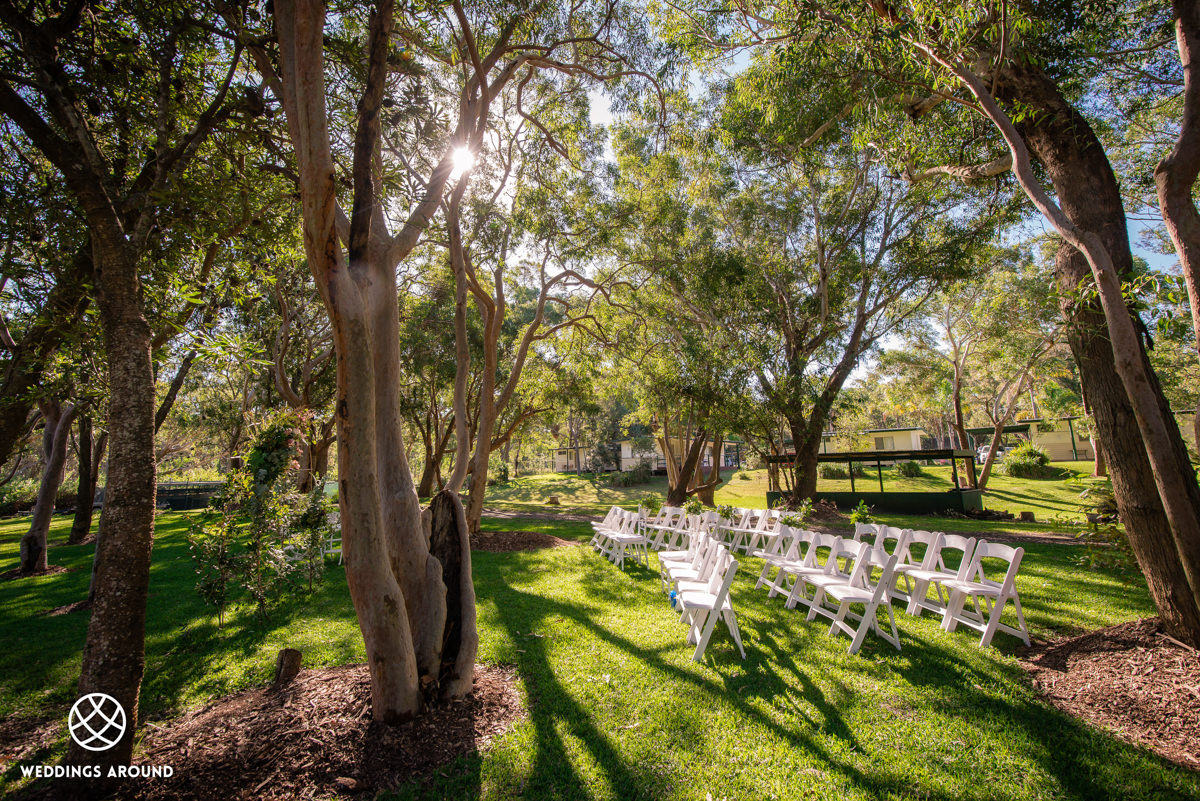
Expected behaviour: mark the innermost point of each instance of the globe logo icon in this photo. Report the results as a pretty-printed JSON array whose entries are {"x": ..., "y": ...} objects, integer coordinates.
[{"x": 96, "y": 722}]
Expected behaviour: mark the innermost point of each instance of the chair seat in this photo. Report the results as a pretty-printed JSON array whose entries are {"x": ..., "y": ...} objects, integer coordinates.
[
  {"x": 629, "y": 539},
  {"x": 698, "y": 600},
  {"x": 974, "y": 587},
  {"x": 684, "y": 574},
  {"x": 849, "y": 593},
  {"x": 825, "y": 580},
  {"x": 940, "y": 576}
]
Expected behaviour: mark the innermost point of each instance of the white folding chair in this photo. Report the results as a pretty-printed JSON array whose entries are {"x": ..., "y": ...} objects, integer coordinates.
[
  {"x": 626, "y": 541},
  {"x": 701, "y": 608},
  {"x": 831, "y": 572},
  {"x": 669, "y": 519},
  {"x": 605, "y": 525},
  {"x": 860, "y": 589},
  {"x": 766, "y": 530},
  {"x": 795, "y": 564},
  {"x": 973, "y": 584},
  {"x": 934, "y": 570}
]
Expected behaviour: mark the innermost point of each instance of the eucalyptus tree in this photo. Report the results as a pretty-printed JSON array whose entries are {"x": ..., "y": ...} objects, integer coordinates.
[
  {"x": 990, "y": 90},
  {"x": 410, "y": 580},
  {"x": 526, "y": 255}
]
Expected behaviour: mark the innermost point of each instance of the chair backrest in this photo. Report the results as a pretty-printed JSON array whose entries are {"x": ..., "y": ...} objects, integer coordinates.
[
  {"x": 905, "y": 555},
  {"x": 831, "y": 543},
  {"x": 722, "y": 579},
  {"x": 951, "y": 543},
  {"x": 896, "y": 537},
  {"x": 611, "y": 517},
  {"x": 770, "y": 519},
  {"x": 866, "y": 531},
  {"x": 974, "y": 570}
]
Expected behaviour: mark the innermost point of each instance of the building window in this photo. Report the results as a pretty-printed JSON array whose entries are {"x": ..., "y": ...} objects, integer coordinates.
[{"x": 885, "y": 443}]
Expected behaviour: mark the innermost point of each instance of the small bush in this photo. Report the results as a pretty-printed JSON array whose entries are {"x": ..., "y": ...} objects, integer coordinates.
[
  {"x": 861, "y": 513},
  {"x": 909, "y": 469},
  {"x": 1028, "y": 461},
  {"x": 631, "y": 478},
  {"x": 835, "y": 471},
  {"x": 652, "y": 503},
  {"x": 742, "y": 475}
]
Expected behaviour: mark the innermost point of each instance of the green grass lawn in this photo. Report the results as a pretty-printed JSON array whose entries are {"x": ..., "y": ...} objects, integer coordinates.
[
  {"x": 1054, "y": 502},
  {"x": 617, "y": 708}
]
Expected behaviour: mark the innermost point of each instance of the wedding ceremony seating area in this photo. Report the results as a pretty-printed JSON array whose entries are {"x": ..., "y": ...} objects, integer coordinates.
[{"x": 851, "y": 579}]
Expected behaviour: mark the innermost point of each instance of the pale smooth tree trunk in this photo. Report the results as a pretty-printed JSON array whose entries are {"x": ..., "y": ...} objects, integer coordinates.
[
  {"x": 58, "y": 422},
  {"x": 91, "y": 454},
  {"x": 409, "y": 576}
]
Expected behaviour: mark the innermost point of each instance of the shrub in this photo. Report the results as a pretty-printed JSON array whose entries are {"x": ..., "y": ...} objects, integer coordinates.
[
  {"x": 909, "y": 469},
  {"x": 652, "y": 503},
  {"x": 631, "y": 478},
  {"x": 831, "y": 470},
  {"x": 861, "y": 513},
  {"x": 1028, "y": 461},
  {"x": 742, "y": 475},
  {"x": 497, "y": 470}
]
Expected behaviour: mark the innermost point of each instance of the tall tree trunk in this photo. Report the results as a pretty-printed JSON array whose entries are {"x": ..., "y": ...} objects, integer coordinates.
[
  {"x": 409, "y": 579},
  {"x": 1063, "y": 141},
  {"x": 706, "y": 492},
  {"x": 677, "y": 490},
  {"x": 58, "y": 422},
  {"x": 806, "y": 441},
  {"x": 114, "y": 652},
  {"x": 960, "y": 422},
  {"x": 90, "y": 454}
]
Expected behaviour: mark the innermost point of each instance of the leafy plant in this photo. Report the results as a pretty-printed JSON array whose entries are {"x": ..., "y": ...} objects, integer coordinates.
[
  {"x": 310, "y": 530},
  {"x": 727, "y": 512},
  {"x": 631, "y": 478},
  {"x": 836, "y": 471},
  {"x": 909, "y": 469},
  {"x": 652, "y": 503},
  {"x": 861, "y": 513},
  {"x": 693, "y": 506},
  {"x": 1028, "y": 461},
  {"x": 742, "y": 475}
]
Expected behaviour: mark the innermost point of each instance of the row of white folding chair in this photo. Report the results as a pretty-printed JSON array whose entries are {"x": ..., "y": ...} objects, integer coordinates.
[
  {"x": 657, "y": 527},
  {"x": 620, "y": 537},
  {"x": 702, "y": 577},
  {"x": 837, "y": 568},
  {"x": 955, "y": 586},
  {"x": 747, "y": 536}
]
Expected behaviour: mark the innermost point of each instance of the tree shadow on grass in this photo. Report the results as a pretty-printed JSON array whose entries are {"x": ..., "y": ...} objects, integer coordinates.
[{"x": 776, "y": 676}]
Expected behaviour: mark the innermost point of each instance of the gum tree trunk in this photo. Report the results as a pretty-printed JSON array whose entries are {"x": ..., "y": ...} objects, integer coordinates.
[
  {"x": 413, "y": 608},
  {"x": 58, "y": 422},
  {"x": 1086, "y": 188},
  {"x": 91, "y": 454}
]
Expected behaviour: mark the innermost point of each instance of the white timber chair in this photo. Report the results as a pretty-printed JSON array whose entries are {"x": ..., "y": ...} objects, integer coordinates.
[
  {"x": 833, "y": 571},
  {"x": 973, "y": 584},
  {"x": 859, "y": 589},
  {"x": 669, "y": 519},
  {"x": 934, "y": 570},
  {"x": 765, "y": 531},
  {"x": 702, "y": 607}
]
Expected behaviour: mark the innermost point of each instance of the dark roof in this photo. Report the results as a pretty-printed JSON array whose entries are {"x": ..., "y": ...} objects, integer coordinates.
[{"x": 885, "y": 430}]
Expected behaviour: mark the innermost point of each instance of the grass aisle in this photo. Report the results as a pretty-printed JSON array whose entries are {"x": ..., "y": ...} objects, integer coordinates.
[{"x": 618, "y": 710}]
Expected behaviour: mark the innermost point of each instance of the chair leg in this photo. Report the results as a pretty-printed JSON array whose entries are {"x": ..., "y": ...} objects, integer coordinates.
[
  {"x": 920, "y": 590},
  {"x": 817, "y": 599},
  {"x": 954, "y": 608},
  {"x": 993, "y": 620},
  {"x": 864, "y": 625},
  {"x": 731, "y": 624},
  {"x": 710, "y": 622}
]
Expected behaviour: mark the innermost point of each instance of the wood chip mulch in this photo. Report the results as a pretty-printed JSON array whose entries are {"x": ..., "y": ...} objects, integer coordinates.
[
  {"x": 1130, "y": 679},
  {"x": 315, "y": 739},
  {"x": 507, "y": 541}
]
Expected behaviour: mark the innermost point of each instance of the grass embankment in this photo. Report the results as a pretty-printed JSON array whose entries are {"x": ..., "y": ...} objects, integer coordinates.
[{"x": 617, "y": 708}]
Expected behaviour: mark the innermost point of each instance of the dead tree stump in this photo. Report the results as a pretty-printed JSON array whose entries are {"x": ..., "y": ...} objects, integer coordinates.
[{"x": 287, "y": 665}]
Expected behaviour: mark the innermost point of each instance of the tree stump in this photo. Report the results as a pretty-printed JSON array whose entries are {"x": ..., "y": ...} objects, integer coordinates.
[
  {"x": 552, "y": 500},
  {"x": 287, "y": 665},
  {"x": 1027, "y": 517}
]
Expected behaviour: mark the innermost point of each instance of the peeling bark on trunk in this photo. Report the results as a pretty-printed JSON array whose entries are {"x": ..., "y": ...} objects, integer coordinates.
[
  {"x": 1062, "y": 140},
  {"x": 58, "y": 423},
  {"x": 403, "y": 594}
]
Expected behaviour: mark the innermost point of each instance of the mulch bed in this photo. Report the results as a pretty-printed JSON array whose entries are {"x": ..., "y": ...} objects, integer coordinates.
[
  {"x": 23, "y": 739},
  {"x": 507, "y": 541},
  {"x": 1129, "y": 679},
  {"x": 315, "y": 738}
]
